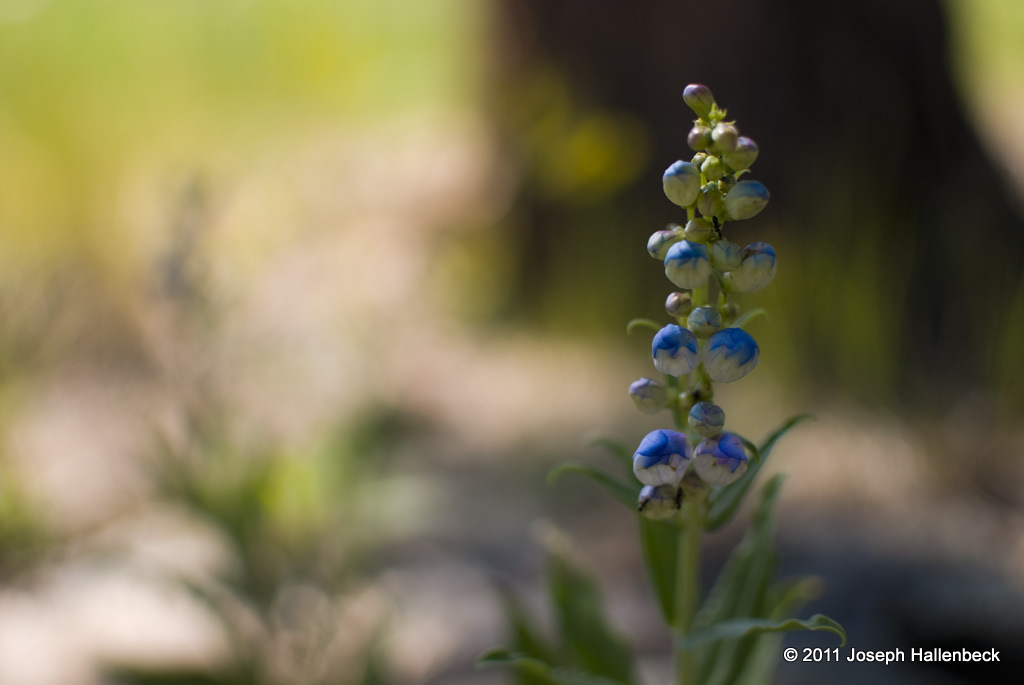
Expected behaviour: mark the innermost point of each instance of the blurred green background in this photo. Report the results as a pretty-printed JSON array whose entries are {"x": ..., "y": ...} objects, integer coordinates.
[{"x": 300, "y": 300}]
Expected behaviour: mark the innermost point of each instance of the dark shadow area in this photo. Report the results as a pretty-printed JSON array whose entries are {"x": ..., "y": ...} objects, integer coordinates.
[{"x": 900, "y": 249}]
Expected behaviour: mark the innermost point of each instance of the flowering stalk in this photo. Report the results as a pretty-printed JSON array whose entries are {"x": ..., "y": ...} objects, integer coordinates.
[
  {"x": 695, "y": 474},
  {"x": 704, "y": 344}
]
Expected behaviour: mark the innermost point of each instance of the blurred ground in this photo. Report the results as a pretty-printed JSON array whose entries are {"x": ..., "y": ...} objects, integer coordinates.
[{"x": 319, "y": 291}]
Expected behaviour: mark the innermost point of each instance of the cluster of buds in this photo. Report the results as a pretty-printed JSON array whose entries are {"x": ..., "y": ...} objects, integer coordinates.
[{"x": 702, "y": 346}]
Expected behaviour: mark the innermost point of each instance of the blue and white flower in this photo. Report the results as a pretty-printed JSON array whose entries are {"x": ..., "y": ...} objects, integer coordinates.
[
  {"x": 756, "y": 270},
  {"x": 661, "y": 502},
  {"x": 745, "y": 199},
  {"x": 681, "y": 182},
  {"x": 742, "y": 156},
  {"x": 706, "y": 418},
  {"x": 675, "y": 350},
  {"x": 721, "y": 459},
  {"x": 662, "y": 458},
  {"x": 687, "y": 264},
  {"x": 730, "y": 354},
  {"x": 649, "y": 395}
]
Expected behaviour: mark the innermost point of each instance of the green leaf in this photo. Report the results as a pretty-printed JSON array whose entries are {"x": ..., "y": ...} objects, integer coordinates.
[
  {"x": 742, "y": 627},
  {"x": 659, "y": 542},
  {"x": 749, "y": 316},
  {"x": 579, "y": 610},
  {"x": 550, "y": 674},
  {"x": 526, "y": 639},
  {"x": 616, "y": 448},
  {"x": 784, "y": 599},
  {"x": 739, "y": 592},
  {"x": 769, "y": 442},
  {"x": 624, "y": 492},
  {"x": 727, "y": 500},
  {"x": 642, "y": 323}
]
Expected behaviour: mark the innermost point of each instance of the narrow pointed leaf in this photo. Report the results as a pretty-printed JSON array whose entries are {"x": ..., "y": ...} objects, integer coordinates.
[
  {"x": 659, "y": 541},
  {"x": 579, "y": 610},
  {"x": 618, "y": 449},
  {"x": 739, "y": 593},
  {"x": 784, "y": 599},
  {"x": 741, "y": 627},
  {"x": 748, "y": 316},
  {"x": 642, "y": 323},
  {"x": 624, "y": 492},
  {"x": 540, "y": 671},
  {"x": 526, "y": 640},
  {"x": 726, "y": 501}
]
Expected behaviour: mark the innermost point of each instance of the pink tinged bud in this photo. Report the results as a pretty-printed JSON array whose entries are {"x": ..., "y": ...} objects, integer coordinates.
[
  {"x": 725, "y": 137},
  {"x": 681, "y": 182},
  {"x": 699, "y": 98},
  {"x": 745, "y": 200},
  {"x": 649, "y": 395},
  {"x": 699, "y": 138},
  {"x": 678, "y": 304}
]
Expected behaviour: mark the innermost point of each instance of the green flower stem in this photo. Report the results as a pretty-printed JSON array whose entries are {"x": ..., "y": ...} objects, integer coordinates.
[
  {"x": 675, "y": 385},
  {"x": 687, "y": 587}
]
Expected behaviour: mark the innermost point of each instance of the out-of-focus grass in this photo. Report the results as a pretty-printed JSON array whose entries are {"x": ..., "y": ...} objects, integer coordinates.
[{"x": 94, "y": 93}]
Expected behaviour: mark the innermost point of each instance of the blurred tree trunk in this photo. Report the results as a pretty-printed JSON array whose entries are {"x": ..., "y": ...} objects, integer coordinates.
[{"x": 901, "y": 257}]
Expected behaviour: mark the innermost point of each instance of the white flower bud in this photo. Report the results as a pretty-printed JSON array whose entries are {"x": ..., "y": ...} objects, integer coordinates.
[
  {"x": 706, "y": 418},
  {"x": 660, "y": 241},
  {"x": 720, "y": 460},
  {"x": 662, "y": 458},
  {"x": 699, "y": 230},
  {"x": 745, "y": 200},
  {"x": 703, "y": 321},
  {"x": 712, "y": 168},
  {"x": 661, "y": 502},
  {"x": 710, "y": 202},
  {"x": 675, "y": 351},
  {"x": 742, "y": 156},
  {"x": 687, "y": 264},
  {"x": 729, "y": 355},
  {"x": 756, "y": 270},
  {"x": 725, "y": 255},
  {"x": 681, "y": 182}
]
